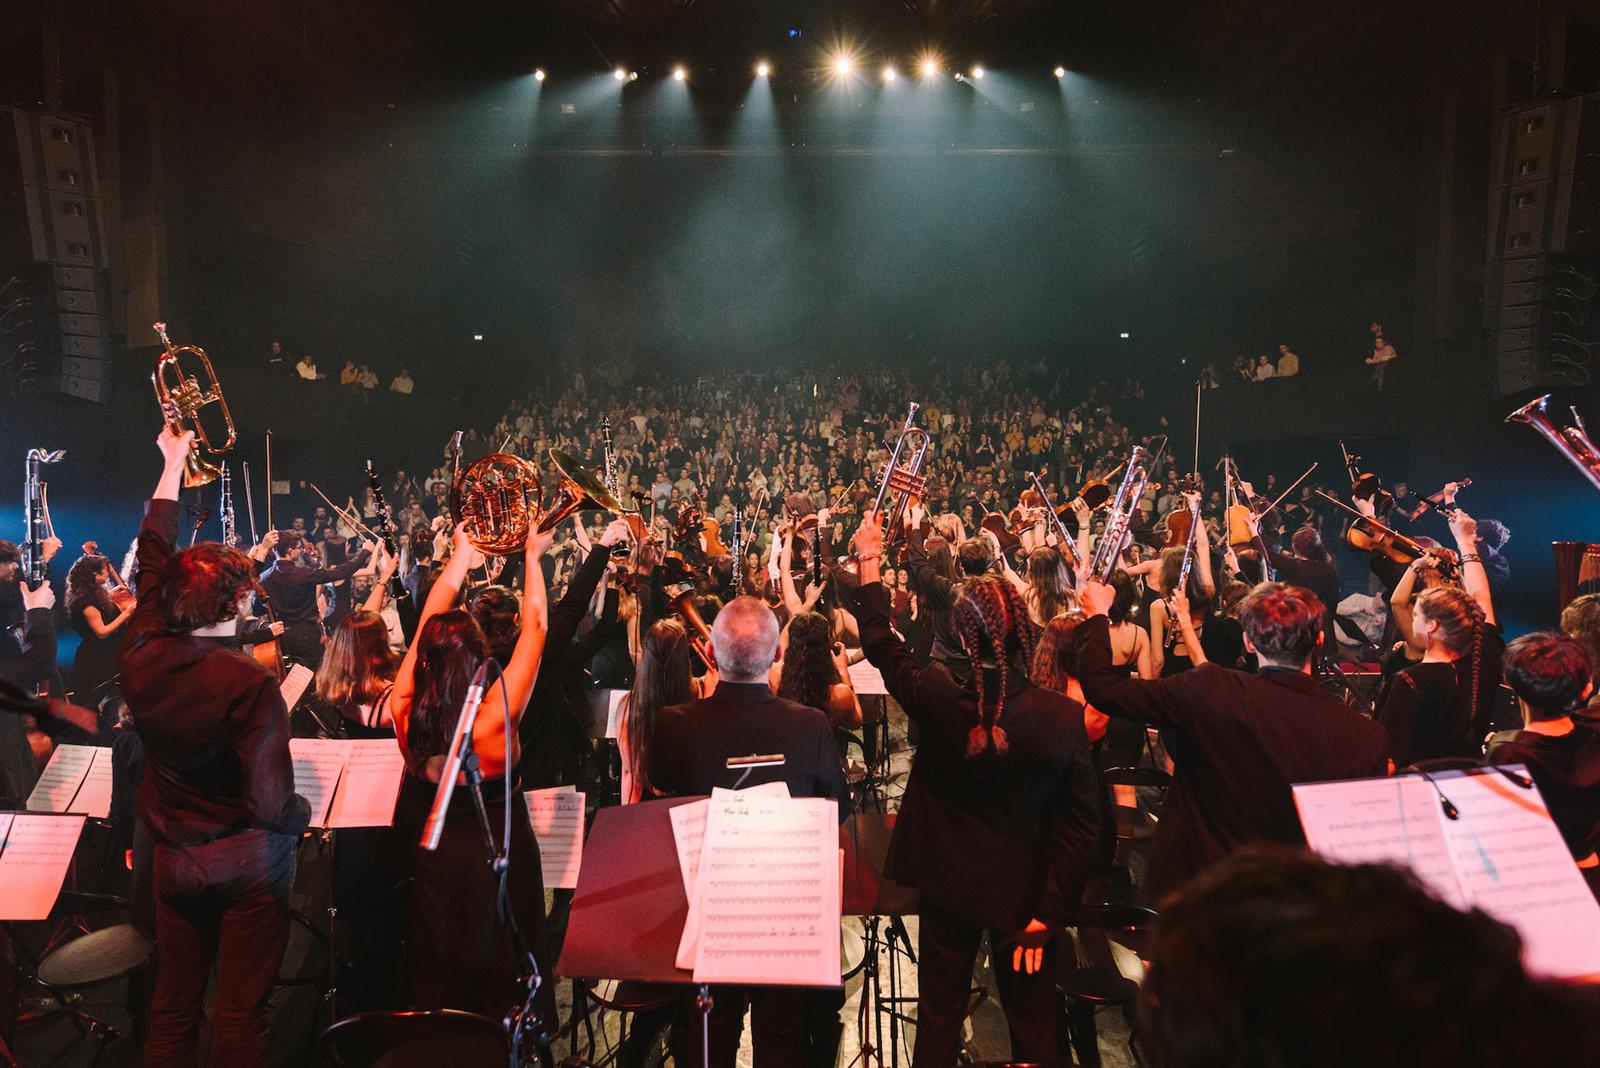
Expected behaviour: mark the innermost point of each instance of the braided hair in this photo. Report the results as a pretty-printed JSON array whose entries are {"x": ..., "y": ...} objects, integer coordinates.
[{"x": 992, "y": 621}]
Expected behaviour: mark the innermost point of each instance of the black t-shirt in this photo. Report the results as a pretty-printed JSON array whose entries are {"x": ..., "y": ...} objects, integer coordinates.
[
  {"x": 1567, "y": 770},
  {"x": 1432, "y": 710}
]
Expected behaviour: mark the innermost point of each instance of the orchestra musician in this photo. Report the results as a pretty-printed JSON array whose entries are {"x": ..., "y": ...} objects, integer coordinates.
[
  {"x": 292, "y": 587},
  {"x": 218, "y": 787}
]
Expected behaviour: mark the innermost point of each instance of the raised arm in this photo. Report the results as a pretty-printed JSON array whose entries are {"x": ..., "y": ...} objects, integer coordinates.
[
  {"x": 1400, "y": 599},
  {"x": 1109, "y": 689},
  {"x": 380, "y": 586},
  {"x": 517, "y": 676},
  {"x": 441, "y": 598},
  {"x": 1473, "y": 575}
]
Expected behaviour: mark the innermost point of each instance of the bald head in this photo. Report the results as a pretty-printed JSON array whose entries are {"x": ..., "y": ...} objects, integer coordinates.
[{"x": 744, "y": 640}]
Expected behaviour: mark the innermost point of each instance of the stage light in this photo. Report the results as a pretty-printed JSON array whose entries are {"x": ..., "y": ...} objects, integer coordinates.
[
  {"x": 977, "y": 72},
  {"x": 1124, "y": 335},
  {"x": 679, "y": 74},
  {"x": 762, "y": 69},
  {"x": 843, "y": 65},
  {"x": 477, "y": 337},
  {"x": 1061, "y": 72},
  {"x": 960, "y": 77},
  {"x": 889, "y": 74},
  {"x": 619, "y": 74},
  {"x": 633, "y": 75},
  {"x": 538, "y": 75},
  {"x": 930, "y": 67}
]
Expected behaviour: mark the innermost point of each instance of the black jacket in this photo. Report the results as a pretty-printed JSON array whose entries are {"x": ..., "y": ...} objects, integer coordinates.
[
  {"x": 995, "y": 840},
  {"x": 693, "y": 742},
  {"x": 1237, "y": 741},
  {"x": 292, "y": 587}
]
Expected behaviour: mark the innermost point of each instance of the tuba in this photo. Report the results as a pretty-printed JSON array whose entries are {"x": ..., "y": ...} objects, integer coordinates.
[
  {"x": 181, "y": 397},
  {"x": 903, "y": 482},
  {"x": 1573, "y": 441}
]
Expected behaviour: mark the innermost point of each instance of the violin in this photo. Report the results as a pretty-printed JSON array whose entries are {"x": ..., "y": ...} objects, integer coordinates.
[
  {"x": 1370, "y": 535},
  {"x": 1096, "y": 493}
]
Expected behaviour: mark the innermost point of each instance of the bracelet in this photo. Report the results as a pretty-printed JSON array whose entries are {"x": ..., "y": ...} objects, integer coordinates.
[
  {"x": 1472, "y": 558},
  {"x": 863, "y": 559}
]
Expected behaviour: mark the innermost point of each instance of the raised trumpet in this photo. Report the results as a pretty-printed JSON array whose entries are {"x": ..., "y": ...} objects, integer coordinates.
[
  {"x": 1573, "y": 441},
  {"x": 181, "y": 398},
  {"x": 903, "y": 483}
]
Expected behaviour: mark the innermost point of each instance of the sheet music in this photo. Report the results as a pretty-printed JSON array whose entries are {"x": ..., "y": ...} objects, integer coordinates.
[
  {"x": 368, "y": 785},
  {"x": 689, "y": 827},
  {"x": 294, "y": 684},
  {"x": 613, "y": 710},
  {"x": 317, "y": 764},
  {"x": 768, "y": 894},
  {"x": 1382, "y": 821},
  {"x": 557, "y": 818},
  {"x": 1514, "y": 865},
  {"x": 94, "y": 796},
  {"x": 34, "y": 854},
  {"x": 866, "y": 679},
  {"x": 61, "y": 779}
]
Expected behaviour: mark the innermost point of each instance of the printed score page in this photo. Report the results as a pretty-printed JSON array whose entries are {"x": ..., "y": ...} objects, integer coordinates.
[
  {"x": 369, "y": 784},
  {"x": 294, "y": 685},
  {"x": 317, "y": 764},
  {"x": 1381, "y": 821},
  {"x": 768, "y": 893},
  {"x": 35, "y": 852},
  {"x": 866, "y": 679},
  {"x": 94, "y": 796},
  {"x": 557, "y": 818},
  {"x": 1515, "y": 866},
  {"x": 689, "y": 829},
  {"x": 62, "y": 778}
]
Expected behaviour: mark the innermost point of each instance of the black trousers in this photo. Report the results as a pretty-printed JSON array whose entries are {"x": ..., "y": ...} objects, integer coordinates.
[
  {"x": 225, "y": 902},
  {"x": 947, "y": 949},
  {"x": 777, "y": 1027}
]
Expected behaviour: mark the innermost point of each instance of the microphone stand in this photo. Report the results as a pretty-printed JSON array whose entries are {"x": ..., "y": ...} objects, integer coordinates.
[{"x": 523, "y": 1023}]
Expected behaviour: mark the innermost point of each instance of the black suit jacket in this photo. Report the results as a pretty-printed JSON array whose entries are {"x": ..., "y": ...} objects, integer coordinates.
[
  {"x": 693, "y": 742},
  {"x": 995, "y": 840},
  {"x": 1237, "y": 742}
]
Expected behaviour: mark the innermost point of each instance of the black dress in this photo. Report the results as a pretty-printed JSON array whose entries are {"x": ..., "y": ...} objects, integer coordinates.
[
  {"x": 96, "y": 661},
  {"x": 1433, "y": 710},
  {"x": 458, "y": 954}
]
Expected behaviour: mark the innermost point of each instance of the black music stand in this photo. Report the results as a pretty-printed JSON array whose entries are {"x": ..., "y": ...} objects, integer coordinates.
[{"x": 875, "y": 898}]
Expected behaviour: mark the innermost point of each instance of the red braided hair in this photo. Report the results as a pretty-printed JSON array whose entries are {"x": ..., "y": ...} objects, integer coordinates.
[{"x": 991, "y": 619}]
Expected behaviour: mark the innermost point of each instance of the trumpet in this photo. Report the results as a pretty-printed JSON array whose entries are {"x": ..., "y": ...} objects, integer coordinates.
[
  {"x": 498, "y": 499},
  {"x": 181, "y": 398},
  {"x": 903, "y": 477},
  {"x": 1573, "y": 441},
  {"x": 1119, "y": 522}
]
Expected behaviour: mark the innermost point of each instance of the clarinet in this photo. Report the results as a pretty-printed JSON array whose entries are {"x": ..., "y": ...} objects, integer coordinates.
[
  {"x": 230, "y": 528},
  {"x": 610, "y": 460},
  {"x": 37, "y": 508},
  {"x": 397, "y": 589},
  {"x": 736, "y": 549}
]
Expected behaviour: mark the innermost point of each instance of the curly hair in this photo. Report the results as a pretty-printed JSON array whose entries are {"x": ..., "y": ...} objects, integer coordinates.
[
  {"x": 203, "y": 585},
  {"x": 84, "y": 588},
  {"x": 992, "y": 622},
  {"x": 808, "y": 670}
]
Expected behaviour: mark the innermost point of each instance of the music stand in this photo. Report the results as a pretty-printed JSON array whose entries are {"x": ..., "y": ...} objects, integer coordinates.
[{"x": 874, "y": 897}]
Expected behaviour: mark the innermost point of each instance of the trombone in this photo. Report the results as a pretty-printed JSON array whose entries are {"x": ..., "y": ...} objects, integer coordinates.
[
  {"x": 903, "y": 477},
  {"x": 181, "y": 398}
]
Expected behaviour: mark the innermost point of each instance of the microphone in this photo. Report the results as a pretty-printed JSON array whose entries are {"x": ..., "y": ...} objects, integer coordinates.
[
  {"x": 460, "y": 742},
  {"x": 1451, "y": 812}
]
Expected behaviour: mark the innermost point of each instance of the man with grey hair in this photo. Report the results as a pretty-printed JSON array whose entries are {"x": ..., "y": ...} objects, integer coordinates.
[{"x": 689, "y": 755}]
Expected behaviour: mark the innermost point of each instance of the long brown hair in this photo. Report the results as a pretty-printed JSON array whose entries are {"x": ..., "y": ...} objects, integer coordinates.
[
  {"x": 1049, "y": 584},
  {"x": 1048, "y": 670},
  {"x": 662, "y": 677},
  {"x": 450, "y": 649},
  {"x": 83, "y": 586},
  {"x": 358, "y": 664},
  {"x": 808, "y": 670}
]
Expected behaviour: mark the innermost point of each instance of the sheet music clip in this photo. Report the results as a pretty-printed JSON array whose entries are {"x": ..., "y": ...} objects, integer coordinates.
[{"x": 747, "y": 764}]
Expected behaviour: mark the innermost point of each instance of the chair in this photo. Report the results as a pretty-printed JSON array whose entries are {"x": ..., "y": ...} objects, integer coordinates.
[
  {"x": 97, "y": 957},
  {"x": 626, "y": 997},
  {"x": 1089, "y": 987},
  {"x": 413, "y": 1040},
  {"x": 1132, "y": 826}
]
